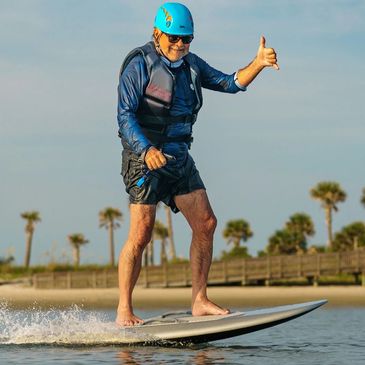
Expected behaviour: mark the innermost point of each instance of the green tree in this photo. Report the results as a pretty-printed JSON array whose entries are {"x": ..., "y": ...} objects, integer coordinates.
[
  {"x": 160, "y": 232},
  {"x": 284, "y": 242},
  {"x": 237, "y": 252},
  {"x": 302, "y": 226},
  {"x": 76, "y": 240},
  {"x": 109, "y": 218},
  {"x": 262, "y": 253},
  {"x": 314, "y": 249},
  {"x": 351, "y": 237},
  {"x": 6, "y": 260},
  {"x": 329, "y": 193},
  {"x": 31, "y": 218},
  {"x": 236, "y": 231}
]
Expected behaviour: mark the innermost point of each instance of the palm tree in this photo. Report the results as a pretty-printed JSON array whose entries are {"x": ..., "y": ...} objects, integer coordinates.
[
  {"x": 32, "y": 218},
  {"x": 329, "y": 193},
  {"x": 171, "y": 233},
  {"x": 161, "y": 233},
  {"x": 110, "y": 218},
  {"x": 236, "y": 231},
  {"x": 302, "y": 225},
  {"x": 150, "y": 255},
  {"x": 76, "y": 240},
  {"x": 351, "y": 237},
  {"x": 284, "y": 242},
  {"x": 148, "y": 258},
  {"x": 363, "y": 197}
]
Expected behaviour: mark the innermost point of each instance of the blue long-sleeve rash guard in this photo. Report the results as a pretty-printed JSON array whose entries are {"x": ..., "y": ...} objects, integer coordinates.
[{"x": 132, "y": 83}]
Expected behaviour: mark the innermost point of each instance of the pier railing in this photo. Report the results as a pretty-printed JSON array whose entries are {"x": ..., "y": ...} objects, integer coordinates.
[{"x": 238, "y": 271}]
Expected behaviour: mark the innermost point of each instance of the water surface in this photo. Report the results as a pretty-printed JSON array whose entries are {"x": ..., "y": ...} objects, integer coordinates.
[{"x": 325, "y": 336}]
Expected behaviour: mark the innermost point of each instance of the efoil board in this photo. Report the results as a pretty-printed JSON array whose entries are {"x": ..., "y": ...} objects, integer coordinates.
[{"x": 182, "y": 327}]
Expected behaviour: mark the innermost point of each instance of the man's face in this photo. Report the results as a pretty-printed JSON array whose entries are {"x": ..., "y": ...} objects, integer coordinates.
[{"x": 172, "y": 51}]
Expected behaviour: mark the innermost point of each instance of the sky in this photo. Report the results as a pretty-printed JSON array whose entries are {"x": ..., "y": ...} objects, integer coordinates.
[{"x": 258, "y": 152}]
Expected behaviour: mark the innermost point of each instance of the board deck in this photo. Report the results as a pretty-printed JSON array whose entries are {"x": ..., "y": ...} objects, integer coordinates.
[{"x": 182, "y": 327}]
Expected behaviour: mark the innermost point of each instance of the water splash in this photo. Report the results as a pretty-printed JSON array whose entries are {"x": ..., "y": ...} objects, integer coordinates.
[{"x": 72, "y": 326}]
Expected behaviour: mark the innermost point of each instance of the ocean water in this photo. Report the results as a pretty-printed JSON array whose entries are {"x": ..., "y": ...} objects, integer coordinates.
[{"x": 77, "y": 336}]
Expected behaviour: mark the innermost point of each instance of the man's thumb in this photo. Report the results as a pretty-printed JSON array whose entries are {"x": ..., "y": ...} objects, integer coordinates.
[{"x": 262, "y": 41}]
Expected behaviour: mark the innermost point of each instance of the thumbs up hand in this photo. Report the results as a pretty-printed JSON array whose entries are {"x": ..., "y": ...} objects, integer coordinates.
[{"x": 266, "y": 56}]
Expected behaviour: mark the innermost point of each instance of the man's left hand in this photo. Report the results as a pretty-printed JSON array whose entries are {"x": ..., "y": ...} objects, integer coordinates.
[{"x": 266, "y": 57}]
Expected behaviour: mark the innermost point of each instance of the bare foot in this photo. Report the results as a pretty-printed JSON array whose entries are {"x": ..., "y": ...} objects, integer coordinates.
[
  {"x": 206, "y": 307},
  {"x": 127, "y": 318}
]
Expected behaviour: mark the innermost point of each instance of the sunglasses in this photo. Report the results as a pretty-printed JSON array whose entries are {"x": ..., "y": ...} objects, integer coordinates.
[{"x": 186, "y": 39}]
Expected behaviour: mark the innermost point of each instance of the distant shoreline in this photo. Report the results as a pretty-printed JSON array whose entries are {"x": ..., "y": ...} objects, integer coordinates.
[{"x": 18, "y": 296}]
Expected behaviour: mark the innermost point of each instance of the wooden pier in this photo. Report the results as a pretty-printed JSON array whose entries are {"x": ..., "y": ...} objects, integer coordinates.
[{"x": 249, "y": 271}]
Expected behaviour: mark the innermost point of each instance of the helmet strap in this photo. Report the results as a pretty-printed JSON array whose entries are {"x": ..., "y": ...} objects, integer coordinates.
[{"x": 156, "y": 39}]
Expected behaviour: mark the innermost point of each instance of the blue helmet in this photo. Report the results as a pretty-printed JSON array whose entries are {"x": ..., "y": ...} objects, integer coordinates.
[{"x": 174, "y": 18}]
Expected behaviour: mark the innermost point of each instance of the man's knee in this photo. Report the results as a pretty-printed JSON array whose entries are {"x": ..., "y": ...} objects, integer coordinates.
[
  {"x": 141, "y": 225},
  {"x": 206, "y": 225},
  {"x": 142, "y": 236}
]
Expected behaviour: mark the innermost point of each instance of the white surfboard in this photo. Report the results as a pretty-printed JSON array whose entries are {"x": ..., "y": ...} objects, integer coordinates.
[{"x": 182, "y": 327}]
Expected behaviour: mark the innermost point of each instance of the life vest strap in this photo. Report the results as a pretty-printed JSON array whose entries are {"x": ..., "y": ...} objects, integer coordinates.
[
  {"x": 149, "y": 120},
  {"x": 159, "y": 137}
]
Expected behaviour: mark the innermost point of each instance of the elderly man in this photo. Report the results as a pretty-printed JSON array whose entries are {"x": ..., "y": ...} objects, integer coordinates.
[{"x": 159, "y": 99}]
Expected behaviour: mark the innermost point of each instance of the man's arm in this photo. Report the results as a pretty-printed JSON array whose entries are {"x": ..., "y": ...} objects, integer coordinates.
[
  {"x": 130, "y": 92},
  {"x": 266, "y": 57}
]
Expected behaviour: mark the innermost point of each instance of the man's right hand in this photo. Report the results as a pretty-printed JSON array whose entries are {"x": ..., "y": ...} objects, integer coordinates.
[{"x": 154, "y": 159}]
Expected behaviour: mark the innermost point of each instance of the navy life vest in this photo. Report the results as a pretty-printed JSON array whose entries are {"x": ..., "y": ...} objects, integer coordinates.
[{"x": 153, "y": 113}]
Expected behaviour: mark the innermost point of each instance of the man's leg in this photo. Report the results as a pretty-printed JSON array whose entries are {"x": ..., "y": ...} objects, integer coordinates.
[
  {"x": 196, "y": 208},
  {"x": 142, "y": 218}
]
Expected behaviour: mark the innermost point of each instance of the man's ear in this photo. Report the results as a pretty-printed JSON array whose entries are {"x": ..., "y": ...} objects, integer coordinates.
[{"x": 156, "y": 33}]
